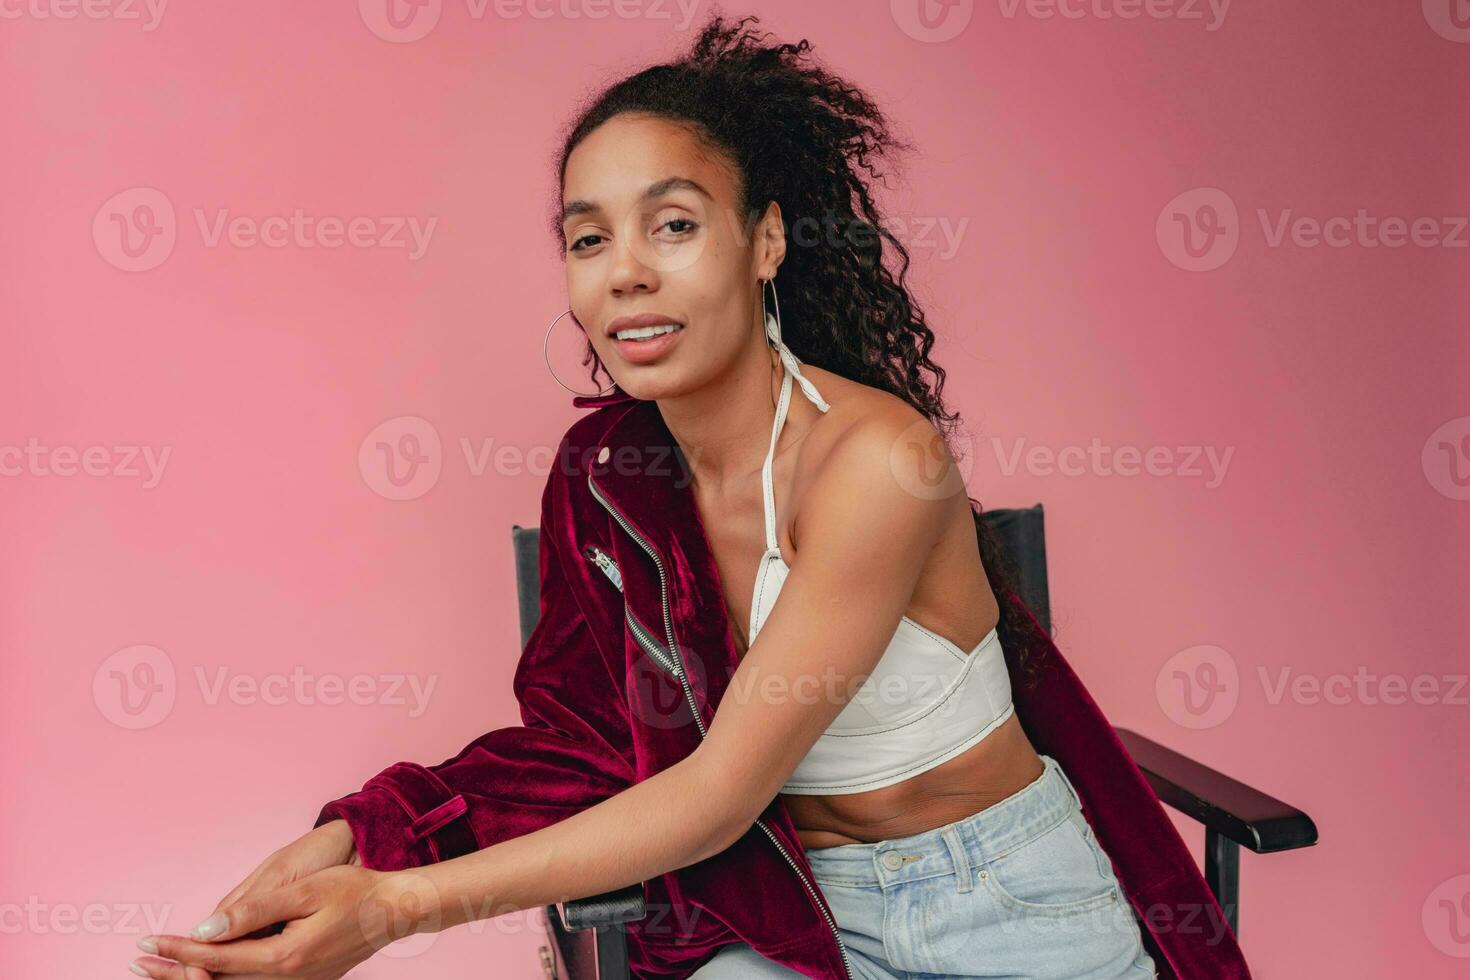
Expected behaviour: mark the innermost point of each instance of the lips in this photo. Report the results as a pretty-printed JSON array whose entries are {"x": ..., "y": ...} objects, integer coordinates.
[
  {"x": 640, "y": 320},
  {"x": 645, "y": 349}
]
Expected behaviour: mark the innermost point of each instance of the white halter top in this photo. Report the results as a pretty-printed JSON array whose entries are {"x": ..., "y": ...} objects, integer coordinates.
[{"x": 924, "y": 703}]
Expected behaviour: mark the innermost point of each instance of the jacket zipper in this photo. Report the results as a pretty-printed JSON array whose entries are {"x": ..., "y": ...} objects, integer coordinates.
[
  {"x": 604, "y": 561},
  {"x": 663, "y": 586},
  {"x": 640, "y": 632}
]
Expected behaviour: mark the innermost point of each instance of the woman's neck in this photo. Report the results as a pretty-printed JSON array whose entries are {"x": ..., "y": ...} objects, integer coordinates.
[{"x": 715, "y": 427}]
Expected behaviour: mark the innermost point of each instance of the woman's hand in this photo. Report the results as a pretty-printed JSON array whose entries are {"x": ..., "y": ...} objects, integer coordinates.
[
  {"x": 321, "y": 847},
  {"x": 334, "y": 920}
]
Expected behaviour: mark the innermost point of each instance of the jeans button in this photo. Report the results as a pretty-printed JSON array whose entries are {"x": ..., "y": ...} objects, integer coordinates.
[{"x": 891, "y": 860}]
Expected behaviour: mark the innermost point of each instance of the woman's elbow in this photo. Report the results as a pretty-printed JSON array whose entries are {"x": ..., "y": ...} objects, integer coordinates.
[{"x": 731, "y": 805}]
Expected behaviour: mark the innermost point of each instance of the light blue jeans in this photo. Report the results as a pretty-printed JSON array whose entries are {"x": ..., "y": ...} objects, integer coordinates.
[{"x": 1020, "y": 889}]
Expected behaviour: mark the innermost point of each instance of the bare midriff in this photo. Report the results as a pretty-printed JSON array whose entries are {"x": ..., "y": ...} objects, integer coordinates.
[{"x": 1003, "y": 763}]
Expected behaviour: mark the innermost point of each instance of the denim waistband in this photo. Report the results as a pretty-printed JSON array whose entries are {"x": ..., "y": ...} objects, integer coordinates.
[{"x": 976, "y": 839}]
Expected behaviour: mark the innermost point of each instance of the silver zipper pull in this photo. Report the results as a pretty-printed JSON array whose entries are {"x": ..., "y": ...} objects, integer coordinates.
[{"x": 604, "y": 561}]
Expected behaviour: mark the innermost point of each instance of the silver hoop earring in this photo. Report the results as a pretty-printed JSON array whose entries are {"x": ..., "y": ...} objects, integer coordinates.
[
  {"x": 546, "y": 355},
  {"x": 776, "y": 301}
]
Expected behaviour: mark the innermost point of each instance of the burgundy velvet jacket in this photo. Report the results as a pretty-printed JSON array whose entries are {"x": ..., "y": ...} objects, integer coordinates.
[{"x": 633, "y": 639}]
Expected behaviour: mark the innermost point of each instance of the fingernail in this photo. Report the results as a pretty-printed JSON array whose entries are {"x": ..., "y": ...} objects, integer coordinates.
[
  {"x": 211, "y": 927},
  {"x": 148, "y": 944},
  {"x": 137, "y": 969}
]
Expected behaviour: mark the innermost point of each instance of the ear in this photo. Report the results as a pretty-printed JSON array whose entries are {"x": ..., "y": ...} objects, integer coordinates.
[{"x": 769, "y": 241}]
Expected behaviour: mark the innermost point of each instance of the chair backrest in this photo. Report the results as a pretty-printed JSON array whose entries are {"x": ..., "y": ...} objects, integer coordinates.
[
  {"x": 527, "y": 544},
  {"x": 1020, "y": 531}
]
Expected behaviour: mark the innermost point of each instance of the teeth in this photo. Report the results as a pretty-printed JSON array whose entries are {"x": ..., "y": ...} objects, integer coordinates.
[{"x": 643, "y": 333}]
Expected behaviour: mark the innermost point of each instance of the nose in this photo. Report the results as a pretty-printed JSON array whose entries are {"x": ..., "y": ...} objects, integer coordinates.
[{"x": 632, "y": 265}]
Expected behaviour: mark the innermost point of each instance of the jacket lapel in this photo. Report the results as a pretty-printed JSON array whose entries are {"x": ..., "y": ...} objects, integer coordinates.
[{"x": 646, "y": 480}]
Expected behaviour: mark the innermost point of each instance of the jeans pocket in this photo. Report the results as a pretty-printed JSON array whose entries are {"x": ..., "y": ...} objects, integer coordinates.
[{"x": 1059, "y": 873}]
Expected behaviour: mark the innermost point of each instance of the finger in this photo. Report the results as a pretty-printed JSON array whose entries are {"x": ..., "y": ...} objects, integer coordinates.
[
  {"x": 162, "y": 969},
  {"x": 255, "y": 882},
  {"x": 256, "y": 912},
  {"x": 240, "y": 890},
  {"x": 243, "y": 956},
  {"x": 149, "y": 944}
]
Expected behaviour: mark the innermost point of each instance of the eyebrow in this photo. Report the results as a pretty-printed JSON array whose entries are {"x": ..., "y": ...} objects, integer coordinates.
[{"x": 656, "y": 189}]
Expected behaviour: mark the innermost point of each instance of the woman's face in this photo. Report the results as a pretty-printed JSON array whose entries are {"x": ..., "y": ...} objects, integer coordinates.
[{"x": 653, "y": 240}]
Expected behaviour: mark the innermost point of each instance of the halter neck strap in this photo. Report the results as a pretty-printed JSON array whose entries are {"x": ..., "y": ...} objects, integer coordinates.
[
  {"x": 792, "y": 363},
  {"x": 790, "y": 368}
]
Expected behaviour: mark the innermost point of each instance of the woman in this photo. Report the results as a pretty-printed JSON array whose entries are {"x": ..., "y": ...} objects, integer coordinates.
[{"x": 940, "y": 837}]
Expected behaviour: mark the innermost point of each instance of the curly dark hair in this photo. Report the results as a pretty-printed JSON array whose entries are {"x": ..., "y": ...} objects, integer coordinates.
[{"x": 793, "y": 132}]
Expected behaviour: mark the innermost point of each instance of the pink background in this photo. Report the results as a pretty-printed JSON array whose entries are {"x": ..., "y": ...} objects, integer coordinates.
[{"x": 1050, "y": 150}]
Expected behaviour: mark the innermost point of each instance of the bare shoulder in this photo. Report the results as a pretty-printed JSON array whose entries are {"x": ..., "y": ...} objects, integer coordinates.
[
  {"x": 872, "y": 429},
  {"x": 872, "y": 453}
]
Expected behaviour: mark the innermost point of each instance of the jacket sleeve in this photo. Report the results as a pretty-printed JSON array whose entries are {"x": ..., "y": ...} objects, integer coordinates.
[{"x": 567, "y": 756}]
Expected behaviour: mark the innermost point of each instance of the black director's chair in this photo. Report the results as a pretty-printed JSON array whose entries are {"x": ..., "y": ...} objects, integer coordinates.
[{"x": 586, "y": 940}]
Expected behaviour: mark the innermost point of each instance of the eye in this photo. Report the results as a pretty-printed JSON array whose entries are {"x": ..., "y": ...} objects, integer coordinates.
[
  {"x": 680, "y": 221},
  {"x": 576, "y": 244}
]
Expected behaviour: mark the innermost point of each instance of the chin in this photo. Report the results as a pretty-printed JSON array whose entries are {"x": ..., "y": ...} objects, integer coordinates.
[{"x": 653, "y": 385}]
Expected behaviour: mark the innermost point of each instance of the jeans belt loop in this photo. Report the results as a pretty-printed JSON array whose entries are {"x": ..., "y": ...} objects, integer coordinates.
[{"x": 963, "y": 875}]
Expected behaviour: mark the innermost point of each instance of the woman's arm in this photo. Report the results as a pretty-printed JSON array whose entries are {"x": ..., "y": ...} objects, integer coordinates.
[
  {"x": 873, "y": 520},
  {"x": 874, "y": 516}
]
